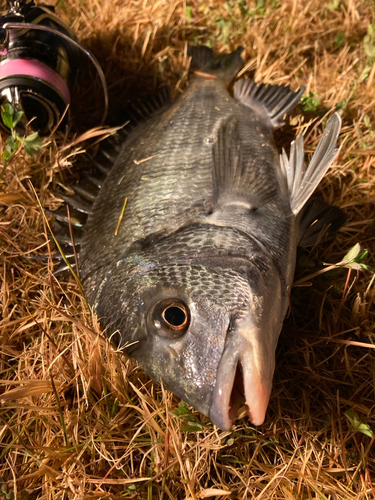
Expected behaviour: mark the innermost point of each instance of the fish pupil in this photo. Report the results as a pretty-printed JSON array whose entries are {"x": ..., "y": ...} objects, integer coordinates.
[
  {"x": 175, "y": 316},
  {"x": 169, "y": 318}
]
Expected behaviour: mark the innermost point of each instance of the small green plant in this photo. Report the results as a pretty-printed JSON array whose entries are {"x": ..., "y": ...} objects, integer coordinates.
[
  {"x": 369, "y": 41},
  {"x": 191, "y": 422},
  {"x": 355, "y": 259},
  {"x": 232, "y": 18},
  {"x": 226, "y": 32},
  {"x": 367, "y": 122},
  {"x": 244, "y": 8},
  {"x": 310, "y": 102},
  {"x": 334, "y": 5},
  {"x": 339, "y": 39},
  {"x": 260, "y": 8},
  {"x": 357, "y": 425},
  {"x": 369, "y": 50},
  {"x": 30, "y": 143},
  {"x": 367, "y": 137},
  {"x": 4, "y": 492},
  {"x": 341, "y": 105}
]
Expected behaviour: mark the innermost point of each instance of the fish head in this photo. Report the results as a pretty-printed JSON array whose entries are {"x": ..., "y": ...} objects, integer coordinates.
[{"x": 207, "y": 331}]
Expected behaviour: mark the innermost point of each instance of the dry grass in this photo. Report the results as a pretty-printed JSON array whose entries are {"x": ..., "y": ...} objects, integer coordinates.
[{"x": 79, "y": 421}]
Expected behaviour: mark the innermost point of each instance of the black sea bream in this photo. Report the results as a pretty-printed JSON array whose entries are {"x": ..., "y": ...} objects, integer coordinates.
[{"x": 195, "y": 277}]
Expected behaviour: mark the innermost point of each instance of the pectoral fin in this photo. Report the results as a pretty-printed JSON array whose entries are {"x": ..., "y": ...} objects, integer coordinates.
[{"x": 235, "y": 182}]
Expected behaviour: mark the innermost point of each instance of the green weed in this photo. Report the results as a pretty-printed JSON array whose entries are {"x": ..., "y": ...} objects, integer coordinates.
[
  {"x": 234, "y": 18},
  {"x": 31, "y": 143},
  {"x": 310, "y": 102},
  {"x": 357, "y": 425},
  {"x": 355, "y": 259},
  {"x": 334, "y": 5},
  {"x": 191, "y": 422},
  {"x": 369, "y": 41},
  {"x": 339, "y": 39}
]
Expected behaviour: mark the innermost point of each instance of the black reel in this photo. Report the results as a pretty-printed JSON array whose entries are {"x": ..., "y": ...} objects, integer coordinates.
[{"x": 39, "y": 63}]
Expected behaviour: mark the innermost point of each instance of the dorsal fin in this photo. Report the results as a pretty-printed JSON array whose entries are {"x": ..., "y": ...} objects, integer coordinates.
[
  {"x": 234, "y": 181},
  {"x": 276, "y": 100},
  {"x": 75, "y": 202},
  {"x": 302, "y": 182},
  {"x": 145, "y": 107}
]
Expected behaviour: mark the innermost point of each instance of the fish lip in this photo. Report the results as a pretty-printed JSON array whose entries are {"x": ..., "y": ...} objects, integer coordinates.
[
  {"x": 219, "y": 409},
  {"x": 238, "y": 355}
]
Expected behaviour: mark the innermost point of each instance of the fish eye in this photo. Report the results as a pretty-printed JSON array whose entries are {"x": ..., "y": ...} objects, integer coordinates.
[{"x": 170, "y": 318}]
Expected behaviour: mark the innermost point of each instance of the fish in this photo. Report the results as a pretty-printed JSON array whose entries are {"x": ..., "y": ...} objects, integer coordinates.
[{"x": 189, "y": 249}]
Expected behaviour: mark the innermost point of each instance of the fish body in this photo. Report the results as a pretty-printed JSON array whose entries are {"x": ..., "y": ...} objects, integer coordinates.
[{"x": 193, "y": 279}]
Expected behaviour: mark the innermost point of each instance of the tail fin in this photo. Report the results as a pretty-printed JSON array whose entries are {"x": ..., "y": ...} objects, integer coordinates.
[{"x": 223, "y": 66}]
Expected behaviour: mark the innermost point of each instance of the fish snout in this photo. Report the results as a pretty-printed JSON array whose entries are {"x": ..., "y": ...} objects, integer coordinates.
[{"x": 244, "y": 375}]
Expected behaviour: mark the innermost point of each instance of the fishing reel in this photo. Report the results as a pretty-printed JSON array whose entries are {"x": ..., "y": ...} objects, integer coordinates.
[{"x": 39, "y": 63}]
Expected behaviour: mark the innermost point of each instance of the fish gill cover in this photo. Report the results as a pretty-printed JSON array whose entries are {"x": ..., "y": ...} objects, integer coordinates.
[{"x": 79, "y": 420}]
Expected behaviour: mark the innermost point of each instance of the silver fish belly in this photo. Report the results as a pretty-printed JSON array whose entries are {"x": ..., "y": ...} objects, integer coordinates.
[{"x": 195, "y": 278}]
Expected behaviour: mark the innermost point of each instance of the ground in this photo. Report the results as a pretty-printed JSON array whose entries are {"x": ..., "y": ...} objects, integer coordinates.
[{"x": 78, "y": 420}]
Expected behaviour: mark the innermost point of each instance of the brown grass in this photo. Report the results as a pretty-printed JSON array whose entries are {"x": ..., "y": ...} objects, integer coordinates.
[{"x": 79, "y": 421}]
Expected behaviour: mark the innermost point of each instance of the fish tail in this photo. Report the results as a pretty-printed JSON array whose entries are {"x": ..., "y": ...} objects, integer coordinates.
[{"x": 206, "y": 63}]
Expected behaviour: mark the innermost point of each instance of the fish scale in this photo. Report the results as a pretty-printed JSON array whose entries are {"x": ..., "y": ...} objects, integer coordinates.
[
  {"x": 201, "y": 241},
  {"x": 173, "y": 185},
  {"x": 158, "y": 199},
  {"x": 232, "y": 294},
  {"x": 193, "y": 280},
  {"x": 162, "y": 191}
]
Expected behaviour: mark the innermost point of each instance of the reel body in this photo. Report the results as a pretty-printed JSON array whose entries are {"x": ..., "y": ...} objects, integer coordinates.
[{"x": 39, "y": 63}]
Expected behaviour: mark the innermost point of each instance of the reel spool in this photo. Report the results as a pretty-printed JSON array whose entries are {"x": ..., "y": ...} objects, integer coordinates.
[{"x": 39, "y": 64}]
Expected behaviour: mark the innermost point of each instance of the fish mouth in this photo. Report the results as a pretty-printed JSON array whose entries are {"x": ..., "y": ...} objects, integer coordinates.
[
  {"x": 240, "y": 379},
  {"x": 237, "y": 395}
]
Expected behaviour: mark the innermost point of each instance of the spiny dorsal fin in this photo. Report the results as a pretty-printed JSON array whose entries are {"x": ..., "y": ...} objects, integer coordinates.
[
  {"x": 302, "y": 182},
  {"x": 277, "y": 100},
  {"x": 235, "y": 181},
  {"x": 145, "y": 107},
  {"x": 75, "y": 202}
]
